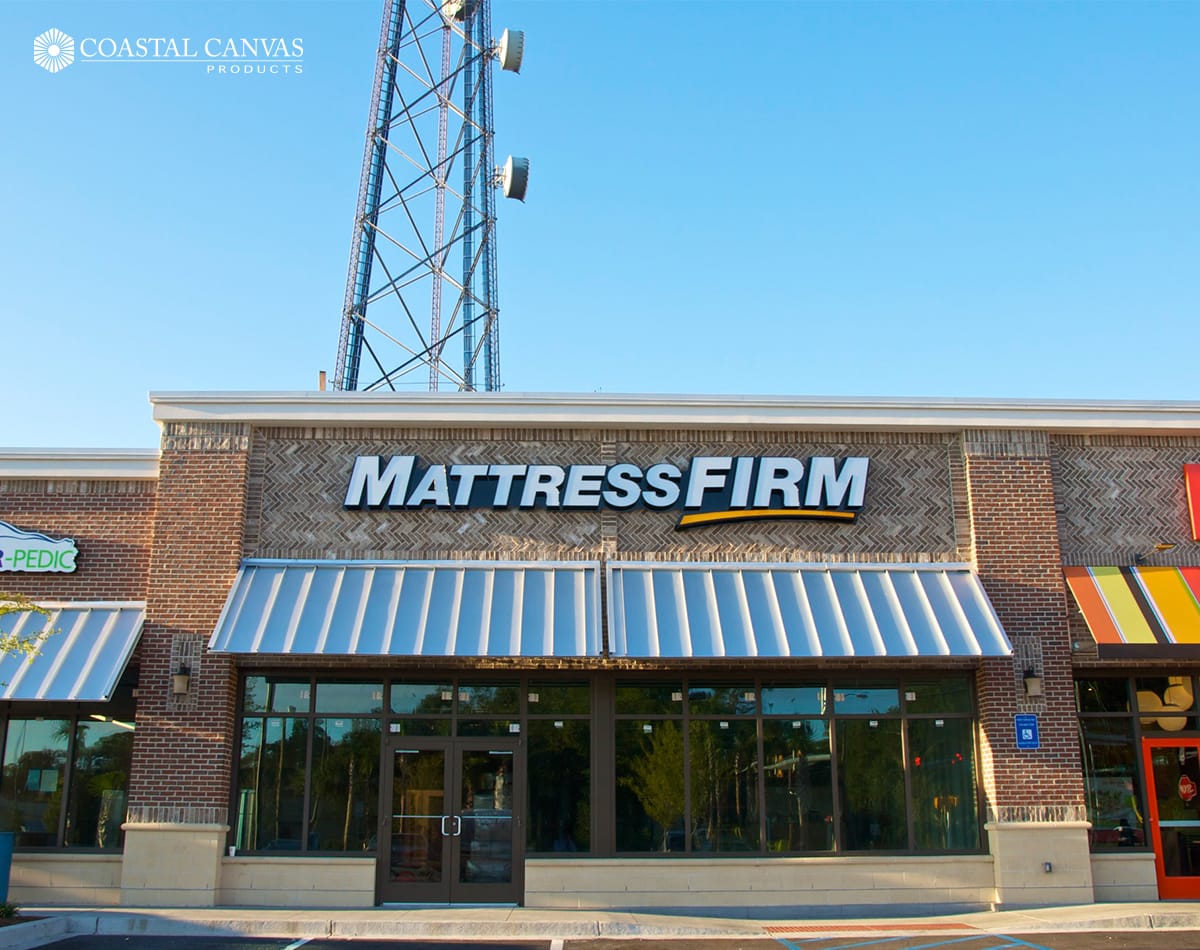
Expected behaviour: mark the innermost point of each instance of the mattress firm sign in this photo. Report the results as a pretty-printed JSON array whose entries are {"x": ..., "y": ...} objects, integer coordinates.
[
  {"x": 29, "y": 552},
  {"x": 711, "y": 489}
]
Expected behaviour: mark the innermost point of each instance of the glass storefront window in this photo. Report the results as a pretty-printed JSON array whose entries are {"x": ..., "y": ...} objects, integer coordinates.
[
  {"x": 945, "y": 807},
  {"x": 271, "y": 777},
  {"x": 722, "y": 700},
  {"x": 1102, "y": 695},
  {"x": 650, "y": 806},
  {"x": 273, "y": 694},
  {"x": 871, "y": 785},
  {"x": 1110, "y": 772},
  {"x": 872, "y": 699},
  {"x": 34, "y": 781},
  {"x": 345, "y": 784},
  {"x": 724, "y": 785},
  {"x": 559, "y": 699},
  {"x": 348, "y": 698},
  {"x": 559, "y": 776},
  {"x": 489, "y": 699},
  {"x": 1164, "y": 703},
  {"x": 798, "y": 782},
  {"x": 795, "y": 701},
  {"x": 937, "y": 696},
  {"x": 99, "y": 784},
  {"x": 422, "y": 699},
  {"x": 649, "y": 699}
]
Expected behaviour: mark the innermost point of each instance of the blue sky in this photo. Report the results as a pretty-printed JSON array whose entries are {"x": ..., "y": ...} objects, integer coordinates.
[{"x": 902, "y": 199}]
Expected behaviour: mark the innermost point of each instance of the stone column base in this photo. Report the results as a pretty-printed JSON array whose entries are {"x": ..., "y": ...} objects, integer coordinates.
[
  {"x": 172, "y": 865},
  {"x": 1022, "y": 852}
]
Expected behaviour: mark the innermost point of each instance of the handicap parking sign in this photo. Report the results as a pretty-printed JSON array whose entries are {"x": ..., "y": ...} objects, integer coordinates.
[{"x": 1027, "y": 732}]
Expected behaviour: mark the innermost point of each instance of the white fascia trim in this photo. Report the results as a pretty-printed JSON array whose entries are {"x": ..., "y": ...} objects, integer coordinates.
[
  {"x": 108, "y": 464},
  {"x": 607, "y": 410}
]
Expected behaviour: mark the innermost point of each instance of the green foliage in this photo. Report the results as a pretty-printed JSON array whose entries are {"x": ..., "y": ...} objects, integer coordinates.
[
  {"x": 657, "y": 778},
  {"x": 29, "y": 645},
  {"x": 9, "y": 910}
]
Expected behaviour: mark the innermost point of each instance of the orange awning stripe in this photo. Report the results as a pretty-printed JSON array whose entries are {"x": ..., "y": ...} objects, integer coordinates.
[{"x": 1091, "y": 603}]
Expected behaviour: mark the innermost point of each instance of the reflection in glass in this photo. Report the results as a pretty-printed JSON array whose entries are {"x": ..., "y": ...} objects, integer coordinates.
[
  {"x": 945, "y": 807},
  {"x": 346, "y": 698},
  {"x": 718, "y": 700},
  {"x": 31, "y": 792},
  {"x": 559, "y": 699},
  {"x": 937, "y": 696},
  {"x": 485, "y": 839},
  {"x": 649, "y": 773},
  {"x": 272, "y": 694},
  {"x": 489, "y": 699},
  {"x": 871, "y": 785},
  {"x": 1103, "y": 694},
  {"x": 798, "y": 785},
  {"x": 270, "y": 811},
  {"x": 794, "y": 700},
  {"x": 724, "y": 785},
  {"x": 422, "y": 699},
  {"x": 345, "y": 784},
  {"x": 1176, "y": 783},
  {"x": 649, "y": 699},
  {"x": 1164, "y": 703},
  {"x": 418, "y": 811},
  {"x": 99, "y": 784},
  {"x": 559, "y": 783},
  {"x": 865, "y": 698},
  {"x": 1110, "y": 781}
]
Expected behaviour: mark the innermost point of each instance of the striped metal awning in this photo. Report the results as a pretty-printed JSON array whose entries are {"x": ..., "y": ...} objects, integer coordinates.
[
  {"x": 81, "y": 661},
  {"x": 412, "y": 608},
  {"x": 1140, "y": 611},
  {"x": 805, "y": 610}
]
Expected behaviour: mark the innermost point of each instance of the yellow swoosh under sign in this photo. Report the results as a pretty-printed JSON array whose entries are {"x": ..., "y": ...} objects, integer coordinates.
[{"x": 761, "y": 514}]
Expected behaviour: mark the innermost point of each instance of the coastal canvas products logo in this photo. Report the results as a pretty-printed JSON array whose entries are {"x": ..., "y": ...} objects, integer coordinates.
[
  {"x": 30, "y": 552},
  {"x": 53, "y": 50},
  {"x": 710, "y": 490}
]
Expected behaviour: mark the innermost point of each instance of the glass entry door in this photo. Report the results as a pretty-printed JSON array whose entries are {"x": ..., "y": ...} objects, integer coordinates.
[
  {"x": 1173, "y": 784},
  {"x": 448, "y": 829}
]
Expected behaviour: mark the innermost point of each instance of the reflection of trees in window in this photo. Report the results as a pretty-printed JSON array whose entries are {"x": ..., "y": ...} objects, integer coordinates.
[
  {"x": 271, "y": 783},
  {"x": 945, "y": 809},
  {"x": 99, "y": 784},
  {"x": 871, "y": 785},
  {"x": 345, "y": 784},
  {"x": 559, "y": 783},
  {"x": 35, "y": 759},
  {"x": 798, "y": 786},
  {"x": 650, "y": 797},
  {"x": 724, "y": 785}
]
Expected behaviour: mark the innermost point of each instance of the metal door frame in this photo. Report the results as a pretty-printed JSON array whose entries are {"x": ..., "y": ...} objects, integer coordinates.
[
  {"x": 451, "y": 890},
  {"x": 1174, "y": 887}
]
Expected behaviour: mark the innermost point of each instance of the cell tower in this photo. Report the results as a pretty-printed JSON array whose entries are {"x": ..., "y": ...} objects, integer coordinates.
[{"x": 423, "y": 257}]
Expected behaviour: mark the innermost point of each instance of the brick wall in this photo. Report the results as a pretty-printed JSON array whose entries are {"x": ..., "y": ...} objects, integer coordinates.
[
  {"x": 183, "y": 746},
  {"x": 1012, "y": 509},
  {"x": 111, "y": 522}
]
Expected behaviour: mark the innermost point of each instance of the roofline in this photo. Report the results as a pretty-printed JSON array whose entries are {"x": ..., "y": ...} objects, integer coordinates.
[
  {"x": 608, "y": 410},
  {"x": 108, "y": 464}
]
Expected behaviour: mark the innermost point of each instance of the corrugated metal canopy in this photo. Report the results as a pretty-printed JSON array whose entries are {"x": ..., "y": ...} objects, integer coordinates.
[
  {"x": 412, "y": 608},
  {"x": 807, "y": 610},
  {"x": 82, "y": 661}
]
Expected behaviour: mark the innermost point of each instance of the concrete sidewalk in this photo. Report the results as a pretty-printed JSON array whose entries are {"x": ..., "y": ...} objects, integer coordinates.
[{"x": 519, "y": 922}]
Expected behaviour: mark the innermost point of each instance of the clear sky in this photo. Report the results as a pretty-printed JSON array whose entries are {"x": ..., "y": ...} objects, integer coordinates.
[{"x": 964, "y": 199}]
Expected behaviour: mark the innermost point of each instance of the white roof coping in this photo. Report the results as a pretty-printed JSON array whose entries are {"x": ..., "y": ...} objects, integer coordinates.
[
  {"x": 609, "y": 410},
  {"x": 134, "y": 464}
]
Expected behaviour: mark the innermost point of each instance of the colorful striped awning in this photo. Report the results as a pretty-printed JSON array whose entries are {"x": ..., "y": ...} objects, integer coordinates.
[{"x": 1140, "y": 611}]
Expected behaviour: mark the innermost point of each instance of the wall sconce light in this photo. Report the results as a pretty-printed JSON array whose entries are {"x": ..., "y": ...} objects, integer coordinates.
[
  {"x": 1033, "y": 683},
  {"x": 181, "y": 681},
  {"x": 1160, "y": 548}
]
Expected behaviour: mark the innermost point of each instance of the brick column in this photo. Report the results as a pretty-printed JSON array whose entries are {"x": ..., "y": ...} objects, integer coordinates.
[
  {"x": 183, "y": 749},
  {"x": 1035, "y": 797}
]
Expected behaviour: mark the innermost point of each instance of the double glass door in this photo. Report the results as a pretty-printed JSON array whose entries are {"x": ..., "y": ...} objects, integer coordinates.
[
  {"x": 448, "y": 825},
  {"x": 1173, "y": 784}
]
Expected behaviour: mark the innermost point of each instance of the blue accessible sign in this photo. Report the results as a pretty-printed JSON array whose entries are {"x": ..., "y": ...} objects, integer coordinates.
[{"x": 1027, "y": 731}]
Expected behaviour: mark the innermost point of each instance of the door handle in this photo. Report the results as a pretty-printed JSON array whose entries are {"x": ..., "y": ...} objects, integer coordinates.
[
  {"x": 457, "y": 825},
  {"x": 444, "y": 817}
]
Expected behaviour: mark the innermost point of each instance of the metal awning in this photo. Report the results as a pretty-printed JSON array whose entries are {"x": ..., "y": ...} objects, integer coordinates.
[
  {"x": 82, "y": 661},
  {"x": 800, "y": 610},
  {"x": 412, "y": 608},
  {"x": 1139, "y": 611}
]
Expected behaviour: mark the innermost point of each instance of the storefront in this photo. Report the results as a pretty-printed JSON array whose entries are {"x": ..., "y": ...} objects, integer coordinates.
[{"x": 603, "y": 651}]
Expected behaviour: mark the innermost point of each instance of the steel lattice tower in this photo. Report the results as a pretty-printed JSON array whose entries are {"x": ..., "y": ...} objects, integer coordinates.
[{"x": 423, "y": 256}]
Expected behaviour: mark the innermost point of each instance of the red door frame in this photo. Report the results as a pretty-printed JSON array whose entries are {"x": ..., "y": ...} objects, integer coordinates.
[{"x": 1169, "y": 888}]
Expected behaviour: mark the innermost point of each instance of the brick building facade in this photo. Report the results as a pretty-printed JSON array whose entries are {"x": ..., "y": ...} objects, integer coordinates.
[{"x": 584, "y": 701}]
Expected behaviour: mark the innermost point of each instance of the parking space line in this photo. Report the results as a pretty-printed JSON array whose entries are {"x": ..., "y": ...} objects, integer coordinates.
[{"x": 297, "y": 944}]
